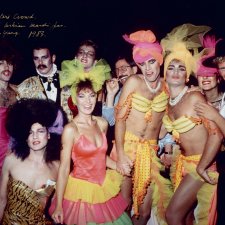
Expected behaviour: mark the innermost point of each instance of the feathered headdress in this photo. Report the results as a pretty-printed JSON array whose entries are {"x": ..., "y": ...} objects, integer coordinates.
[
  {"x": 73, "y": 72},
  {"x": 209, "y": 44},
  {"x": 178, "y": 45}
]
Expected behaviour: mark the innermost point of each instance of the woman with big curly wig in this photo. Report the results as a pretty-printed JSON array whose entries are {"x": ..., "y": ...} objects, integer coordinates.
[{"x": 30, "y": 169}]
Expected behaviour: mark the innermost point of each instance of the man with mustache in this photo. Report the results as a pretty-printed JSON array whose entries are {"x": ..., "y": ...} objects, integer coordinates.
[
  {"x": 45, "y": 84},
  {"x": 8, "y": 61}
]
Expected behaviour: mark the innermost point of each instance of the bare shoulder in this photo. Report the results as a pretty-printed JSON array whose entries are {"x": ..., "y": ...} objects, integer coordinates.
[
  {"x": 134, "y": 80},
  {"x": 196, "y": 96},
  {"x": 137, "y": 77},
  {"x": 70, "y": 129},
  {"x": 10, "y": 160},
  {"x": 103, "y": 124},
  {"x": 132, "y": 84}
]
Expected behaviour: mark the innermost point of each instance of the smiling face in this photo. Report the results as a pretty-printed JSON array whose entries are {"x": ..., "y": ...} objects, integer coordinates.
[
  {"x": 124, "y": 70},
  {"x": 38, "y": 137},
  {"x": 6, "y": 70},
  {"x": 207, "y": 83},
  {"x": 176, "y": 73},
  {"x": 86, "y": 100},
  {"x": 43, "y": 60},
  {"x": 86, "y": 55},
  {"x": 150, "y": 69}
]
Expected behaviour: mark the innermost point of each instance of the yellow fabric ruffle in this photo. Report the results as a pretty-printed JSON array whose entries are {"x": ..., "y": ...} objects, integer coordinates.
[
  {"x": 92, "y": 193},
  {"x": 73, "y": 72},
  {"x": 180, "y": 125}
]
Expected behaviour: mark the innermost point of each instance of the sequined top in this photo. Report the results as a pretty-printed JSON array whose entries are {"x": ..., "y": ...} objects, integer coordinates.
[{"x": 23, "y": 204}]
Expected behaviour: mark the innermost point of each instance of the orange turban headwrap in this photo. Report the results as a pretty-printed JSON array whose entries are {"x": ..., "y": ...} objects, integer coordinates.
[{"x": 145, "y": 46}]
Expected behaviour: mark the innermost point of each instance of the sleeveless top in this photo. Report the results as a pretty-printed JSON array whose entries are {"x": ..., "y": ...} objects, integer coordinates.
[
  {"x": 89, "y": 161},
  {"x": 23, "y": 204}
]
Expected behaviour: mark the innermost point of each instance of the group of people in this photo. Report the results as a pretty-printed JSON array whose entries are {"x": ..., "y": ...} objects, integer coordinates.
[{"x": 138, "y": 147}]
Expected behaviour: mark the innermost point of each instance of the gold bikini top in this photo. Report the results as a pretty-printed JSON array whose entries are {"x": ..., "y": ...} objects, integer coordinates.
[
  {"x": 142, "y": 104},
  {"x": 180, "y": 125}
]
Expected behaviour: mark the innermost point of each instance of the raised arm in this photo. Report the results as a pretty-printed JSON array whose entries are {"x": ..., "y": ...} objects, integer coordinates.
[
  {"x": 64, "y": 170},
  {"x": 112, "y": 87}
]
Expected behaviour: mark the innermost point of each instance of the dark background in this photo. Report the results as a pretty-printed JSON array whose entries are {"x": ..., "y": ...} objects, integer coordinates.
[{"x": 102, "y": 21}]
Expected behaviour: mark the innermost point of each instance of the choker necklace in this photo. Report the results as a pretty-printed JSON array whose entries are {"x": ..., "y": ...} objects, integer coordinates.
[
  {"x": 152, "y": 90},
  {"x": 174, "y": 101}
]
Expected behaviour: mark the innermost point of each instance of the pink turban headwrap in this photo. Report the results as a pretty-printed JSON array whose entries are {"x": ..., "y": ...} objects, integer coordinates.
[{"x": 145, "y": 46}]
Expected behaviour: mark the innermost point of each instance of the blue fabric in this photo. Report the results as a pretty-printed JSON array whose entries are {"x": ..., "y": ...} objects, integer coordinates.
[{"x": 108, "y": 112}]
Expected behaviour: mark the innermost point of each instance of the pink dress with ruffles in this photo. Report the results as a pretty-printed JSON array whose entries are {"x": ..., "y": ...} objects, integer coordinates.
[{"x": 92, "y": 194}]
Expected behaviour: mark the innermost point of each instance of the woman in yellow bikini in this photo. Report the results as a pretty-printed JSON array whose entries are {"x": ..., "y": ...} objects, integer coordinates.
[{"x": 193, "y": 134}]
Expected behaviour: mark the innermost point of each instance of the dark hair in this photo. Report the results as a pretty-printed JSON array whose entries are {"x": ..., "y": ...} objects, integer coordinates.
[
  {"x": 88, "y": 43},
  {"x": 84, "y": 84},
  {"x": 9, "y": 53},
  {"x": 42, "y": 44},
  {"x": 221, "y": 85},
  {"x": 128, "y": 59},
  {"x": 22, "y": 115}
]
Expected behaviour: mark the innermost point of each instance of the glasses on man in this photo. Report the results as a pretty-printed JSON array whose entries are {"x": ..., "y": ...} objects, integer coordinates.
[
  {"x": 88, "y": 54},
  {"x": 122, "y": 69}
]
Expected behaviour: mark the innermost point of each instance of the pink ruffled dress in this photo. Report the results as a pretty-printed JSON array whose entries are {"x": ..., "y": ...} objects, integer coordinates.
[{"x": 92, "y": 195}]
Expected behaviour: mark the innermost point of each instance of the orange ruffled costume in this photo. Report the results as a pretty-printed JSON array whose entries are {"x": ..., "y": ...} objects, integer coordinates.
[{"x": 92, "y": 195}]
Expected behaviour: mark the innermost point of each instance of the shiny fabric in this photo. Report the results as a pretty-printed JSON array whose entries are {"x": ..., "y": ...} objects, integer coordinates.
[
  {"x": 92, "y": 194},
  {"x": 85, "y": 155},
  {"x": 23, "y": 205},
  {"x": 31, "y": 88},
  {"x": 4, "y": 138}
]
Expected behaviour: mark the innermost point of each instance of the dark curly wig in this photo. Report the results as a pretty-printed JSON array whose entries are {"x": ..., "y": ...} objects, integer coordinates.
[
  {"x": 9, "y": 53},
  {"x": 22, "y": 115}
]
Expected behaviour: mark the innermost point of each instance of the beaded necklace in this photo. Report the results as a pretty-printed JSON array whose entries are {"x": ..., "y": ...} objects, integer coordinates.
[
  {"x": 174, "y": 101},
  {"x": 152, "y": 90}
]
